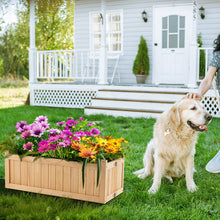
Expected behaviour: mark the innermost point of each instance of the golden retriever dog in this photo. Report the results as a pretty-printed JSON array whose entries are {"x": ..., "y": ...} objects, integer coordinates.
[{"x": 171, "y": 151}]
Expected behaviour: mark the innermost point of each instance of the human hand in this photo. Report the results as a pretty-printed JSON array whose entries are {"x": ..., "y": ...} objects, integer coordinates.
[{"x": 193, "y": 95}]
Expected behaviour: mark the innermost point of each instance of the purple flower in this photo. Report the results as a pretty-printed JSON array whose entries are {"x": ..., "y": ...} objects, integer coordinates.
[
  {"x": 81, "y": 119},
  {"x": 91, "y": 124},
  {"x": 45, "y": 125},
  {"x": 54, "y": 138},
  {"x": 26, "y": 134},
  {"x": 80, "y": 134},
  {"x": 20, "y": 126},
  {"x": 53, "y": 147},
  {"x": 67, "y": 133},
  {"x": 41, "y": 119},
  {"x": 70, "y": 124},
  {"x": 53, "y": 132},
  {"x": 94, "y": 132},
  {"x": 27, "y": 128},
  {"x": 43, "y": 146},
  {"x": 28, "y": 146},
  {"x": 37, "y": 130},
  {"x": 60, "y": 123}
]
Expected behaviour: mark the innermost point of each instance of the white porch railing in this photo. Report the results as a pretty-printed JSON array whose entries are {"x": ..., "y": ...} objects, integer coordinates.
[
  {"x": 72, "y": 64},
  {"x": 204, "y": 55}
]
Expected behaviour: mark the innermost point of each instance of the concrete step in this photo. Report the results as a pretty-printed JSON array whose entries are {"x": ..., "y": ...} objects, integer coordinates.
[
  {"x": 149, "y": 102},
  {"x": 141, "y": 95},
  {"x": 132, "y": 103},
  {"x": 134, "y": 113}
]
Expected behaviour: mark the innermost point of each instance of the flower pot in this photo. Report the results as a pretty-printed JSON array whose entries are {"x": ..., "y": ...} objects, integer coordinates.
[
  {"x": 64, "y": 178},
  {"x": 140, "y": 79}
]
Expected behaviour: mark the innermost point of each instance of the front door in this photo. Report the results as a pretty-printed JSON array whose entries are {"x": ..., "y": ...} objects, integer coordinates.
[{"x": 172, "y": 37}]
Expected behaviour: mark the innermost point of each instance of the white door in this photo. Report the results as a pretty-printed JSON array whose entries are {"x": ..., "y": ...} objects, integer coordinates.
[{"x": 172, "y": 37}]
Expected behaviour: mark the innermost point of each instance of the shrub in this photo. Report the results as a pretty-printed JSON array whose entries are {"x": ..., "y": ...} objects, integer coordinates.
[
  {"x": 141, "y": 63},
  {"x": 201, "y": 57}
]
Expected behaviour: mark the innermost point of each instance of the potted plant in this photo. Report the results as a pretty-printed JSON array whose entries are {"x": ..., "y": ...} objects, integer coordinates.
[
  {"x": 70, "y": 159},
  {"x": 141, "y": 63}
]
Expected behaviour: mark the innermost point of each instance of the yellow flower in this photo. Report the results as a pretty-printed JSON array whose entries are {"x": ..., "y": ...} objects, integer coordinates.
[
  {"x": 86, "y": 139},
  {"x": 102, "y": 141},
  {"x": 87, "y": 153}
]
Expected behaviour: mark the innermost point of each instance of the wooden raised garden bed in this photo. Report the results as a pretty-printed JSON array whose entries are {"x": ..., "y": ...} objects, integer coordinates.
[{"x": 63, "y": 178}]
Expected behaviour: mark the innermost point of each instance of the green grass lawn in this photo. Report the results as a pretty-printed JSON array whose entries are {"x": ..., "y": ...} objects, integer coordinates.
[{"x": 172, "y": 201}]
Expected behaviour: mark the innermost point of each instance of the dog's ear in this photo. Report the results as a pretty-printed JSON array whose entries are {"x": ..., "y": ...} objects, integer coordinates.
[{"x": 174, "y": 115}]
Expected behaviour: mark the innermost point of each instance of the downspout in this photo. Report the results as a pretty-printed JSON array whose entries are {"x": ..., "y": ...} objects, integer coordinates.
[
  {"x": 192, "y": 82},
  {"x": 103, "y": 50}
]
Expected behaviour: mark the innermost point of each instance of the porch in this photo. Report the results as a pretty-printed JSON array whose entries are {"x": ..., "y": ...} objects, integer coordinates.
[
  {"x": 118, "y": 100},
  {"x": 83, "y": 78}
]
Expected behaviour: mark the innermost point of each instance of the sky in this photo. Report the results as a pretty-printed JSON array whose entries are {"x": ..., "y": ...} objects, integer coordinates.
[{"x": 10, "y": 16}]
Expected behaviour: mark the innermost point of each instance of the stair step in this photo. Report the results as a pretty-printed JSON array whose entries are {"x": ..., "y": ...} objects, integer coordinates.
[
  {"x": 121, "y": 109},
  {"x": 122, "y": 112},
  {"x": 140, "y": 91},
  {"x": 140, "y": 95},
  {"x": 134, "y": 100},
  {"x": 131, "y": 104}
]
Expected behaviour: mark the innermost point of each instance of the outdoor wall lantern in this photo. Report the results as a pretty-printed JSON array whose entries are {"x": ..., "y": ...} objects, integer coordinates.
[
  {"x": 144, "y": 16},
  {"x": 202, "y": 12}
]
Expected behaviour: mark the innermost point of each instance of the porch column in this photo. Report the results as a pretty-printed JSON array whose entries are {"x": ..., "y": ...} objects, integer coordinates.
[
  {"x": 103, "y": 49},
  {"x": 193, "y": 48},
  {"x": 32, "y": 49}
]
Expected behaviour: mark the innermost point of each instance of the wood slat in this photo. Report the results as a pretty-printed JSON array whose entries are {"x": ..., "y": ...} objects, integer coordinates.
[
  {"x": 66, "y": 179},
  {"x": 59, "y": 178},
  {"x": 24, "y": 173},
  {"x": 52, "y": 177},
  {"x": 45, "y": 176}
]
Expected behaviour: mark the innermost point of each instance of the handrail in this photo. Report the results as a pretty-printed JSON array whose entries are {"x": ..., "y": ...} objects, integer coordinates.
[{"x": 77, "y": 64}]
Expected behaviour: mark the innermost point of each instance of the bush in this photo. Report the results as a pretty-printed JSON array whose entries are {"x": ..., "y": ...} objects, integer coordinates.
[
  {"x": 202, "y": 69},
  {"x": 141, "y": 64}
]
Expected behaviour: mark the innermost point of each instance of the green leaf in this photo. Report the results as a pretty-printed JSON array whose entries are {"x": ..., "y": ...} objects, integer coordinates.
[
  {"x": 98, "y": 170},
  {"x": 83, "y": 170}
]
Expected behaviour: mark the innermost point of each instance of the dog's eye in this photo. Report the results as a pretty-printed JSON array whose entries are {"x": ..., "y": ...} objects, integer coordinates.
[{"x": 193, "y": 108}]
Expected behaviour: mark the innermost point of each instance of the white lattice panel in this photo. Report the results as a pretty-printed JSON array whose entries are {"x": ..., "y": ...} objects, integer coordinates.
[
  {"x": 63, "y": 98},
  {"x": 211, "y": 105}
]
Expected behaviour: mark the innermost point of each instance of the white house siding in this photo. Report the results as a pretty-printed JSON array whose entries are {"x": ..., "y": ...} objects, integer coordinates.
[
  {"x": 210, "y": 26},
  {"x": 134, "y": 27}
]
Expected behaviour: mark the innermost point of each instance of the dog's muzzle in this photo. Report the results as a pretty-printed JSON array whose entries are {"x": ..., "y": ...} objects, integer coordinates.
[{"x": 203, "y": 127}]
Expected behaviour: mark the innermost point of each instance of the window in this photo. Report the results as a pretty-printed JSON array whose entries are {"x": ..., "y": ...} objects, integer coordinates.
[
  {"x": 113, "y": 31},
  {"x": 173, "y": 31}
]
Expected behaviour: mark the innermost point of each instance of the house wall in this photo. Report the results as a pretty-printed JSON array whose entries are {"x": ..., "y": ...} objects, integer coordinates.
[
  {"x": 134, "y": 27},
  {"x": 210, "y": 26}
]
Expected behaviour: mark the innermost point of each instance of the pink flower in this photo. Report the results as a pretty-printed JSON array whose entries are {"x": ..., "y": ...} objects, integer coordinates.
[
  {"x": 26, "y": 134},
  {"x": 28, "y": 146},
  {"x": 91, "y": 124},
  {"x": 60, "y": 123},
  {"x": 20, "y": 126},
  {"x": 94, "y": 132},
  {"x": 37, "y": 130},
  {"x": 41, "y": 119},
  {"x": 43, "y": 146}
]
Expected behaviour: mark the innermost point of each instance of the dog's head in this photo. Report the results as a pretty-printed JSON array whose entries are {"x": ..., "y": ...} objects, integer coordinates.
[{"x": 191, "y": 113}]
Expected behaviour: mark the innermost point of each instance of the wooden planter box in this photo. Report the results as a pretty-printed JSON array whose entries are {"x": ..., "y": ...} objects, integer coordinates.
[{"x": 62, "y": 178}]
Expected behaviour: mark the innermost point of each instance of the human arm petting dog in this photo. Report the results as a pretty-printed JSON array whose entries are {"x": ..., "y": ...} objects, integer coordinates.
[{"x": 205, "y": 84}]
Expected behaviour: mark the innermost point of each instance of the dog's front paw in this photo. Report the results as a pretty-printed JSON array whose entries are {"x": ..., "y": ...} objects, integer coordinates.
[
  {"x": 192, "y": 187},
  {"x": 153, "y": 190},
  {"x": 143, "y": 175}
]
